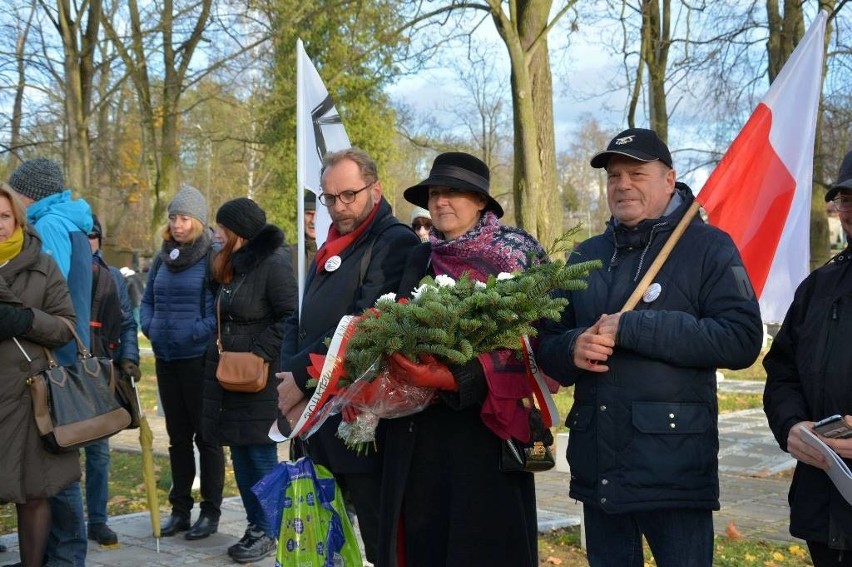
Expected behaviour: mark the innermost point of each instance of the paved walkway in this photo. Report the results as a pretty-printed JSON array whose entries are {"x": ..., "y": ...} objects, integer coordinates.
[{"x": 751, "y": 498}]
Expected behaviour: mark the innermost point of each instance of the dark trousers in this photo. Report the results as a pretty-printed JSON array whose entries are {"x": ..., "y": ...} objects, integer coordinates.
[
  {"x": 363, "y": 492},
  {"x": 677, "y": 537},
  {"x": 823, "y": 556},
  {"x": 180, "y": 384}
]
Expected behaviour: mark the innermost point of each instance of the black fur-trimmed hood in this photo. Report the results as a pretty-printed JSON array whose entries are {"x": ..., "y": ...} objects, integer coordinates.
[{"x": 254, "y": 251}]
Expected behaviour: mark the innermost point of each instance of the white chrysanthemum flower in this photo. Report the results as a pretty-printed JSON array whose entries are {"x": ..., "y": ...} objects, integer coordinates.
[
  {"x": 388, "y": 297},
  {"x": 505, "y": 276},
  {"x": 445, "y": 281},
  {"x": 418, "y": 291},
  {"x": 479, "y": 285}
]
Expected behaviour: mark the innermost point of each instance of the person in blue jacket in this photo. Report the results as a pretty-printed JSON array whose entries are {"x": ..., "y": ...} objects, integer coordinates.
[
  {"x": 644, "y": 441},
  {"x": 177, "y": 316},
  {"x": 113, "y": 335},
  {"x": 63, "y": 224}
]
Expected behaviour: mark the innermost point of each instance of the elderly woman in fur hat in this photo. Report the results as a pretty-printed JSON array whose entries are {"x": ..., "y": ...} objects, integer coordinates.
[{"x": 445, "y": 500}]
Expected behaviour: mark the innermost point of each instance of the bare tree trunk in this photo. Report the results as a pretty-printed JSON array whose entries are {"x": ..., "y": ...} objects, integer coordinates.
[
  {"x": 79, "y": 72},
  {"x": 820, "y": 245},
  {"x": 656, "y": 40},
  {"x": 160, "y": 126},
  {"x": 524, "y": 33},
  {"x": 20, "y": 68}
]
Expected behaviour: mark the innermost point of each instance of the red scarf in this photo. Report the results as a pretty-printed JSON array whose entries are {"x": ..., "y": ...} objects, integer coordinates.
[{"x": 337, "y": 243}]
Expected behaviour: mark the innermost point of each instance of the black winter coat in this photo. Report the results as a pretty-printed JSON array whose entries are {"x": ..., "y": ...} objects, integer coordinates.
[
  {"x": 441, "y": 470},
  {"x": 644, "y": 434},
  {"x": 252, "y": 313},
  {"x": 370, "y": 267},
  {"x": 809, "y": 377}
]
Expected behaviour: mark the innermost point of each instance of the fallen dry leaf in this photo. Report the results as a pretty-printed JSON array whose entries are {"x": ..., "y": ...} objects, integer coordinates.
[
  {"x": 732, "y": 532},
  {"x": 554, "y": 560}
]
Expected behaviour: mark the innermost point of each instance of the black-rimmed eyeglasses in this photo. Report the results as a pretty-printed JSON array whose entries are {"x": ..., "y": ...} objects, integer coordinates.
[
  {"x": 842, "y": 203},
  {"x": 345, "y": 197}
]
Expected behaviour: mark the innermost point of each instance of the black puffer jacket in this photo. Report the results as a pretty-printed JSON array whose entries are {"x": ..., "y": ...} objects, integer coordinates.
[
  {"x": 252, "y": 311},
  {"x": 808, "y": 377},
  {"x": 644, "y": 433}
]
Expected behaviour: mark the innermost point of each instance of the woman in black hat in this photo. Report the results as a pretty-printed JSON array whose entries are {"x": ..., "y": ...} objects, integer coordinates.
[
  {"x": 256, "y": 292},
  {"x": 444, "y": 499}
]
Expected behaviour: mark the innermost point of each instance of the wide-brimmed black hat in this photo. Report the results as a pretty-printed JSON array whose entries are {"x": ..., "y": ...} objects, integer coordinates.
[
  {"x": 457, "y": 170},
  {"x": 636, "y": 143},
  {"x": 844, "y": 178}
]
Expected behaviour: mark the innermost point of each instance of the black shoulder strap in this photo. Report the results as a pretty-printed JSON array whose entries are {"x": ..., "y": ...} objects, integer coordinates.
[{"x": 376, "y": 231}]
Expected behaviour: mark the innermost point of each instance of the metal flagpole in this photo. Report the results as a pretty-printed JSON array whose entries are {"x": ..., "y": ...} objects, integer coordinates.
[{"x": 301, "y": 153}]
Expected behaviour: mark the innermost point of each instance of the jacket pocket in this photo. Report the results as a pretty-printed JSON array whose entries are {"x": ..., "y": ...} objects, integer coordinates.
[
  {"x": 671, "y": 418},
  {"x": 582, "y": 448},
  {"x": 579, "y": 417},
  {"x": 673, "y": 447}
]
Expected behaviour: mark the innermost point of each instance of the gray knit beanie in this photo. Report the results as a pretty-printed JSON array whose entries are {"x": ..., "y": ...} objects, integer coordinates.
[
  {"x": 190, "y": 202},
  {"x": 37, "y": 178}
]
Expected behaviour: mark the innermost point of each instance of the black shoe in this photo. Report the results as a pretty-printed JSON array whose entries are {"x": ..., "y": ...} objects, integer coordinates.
[
  {"x": 173, "y": 525},
  {"x": 255, "y": 549},
  {"x": 102, "y": 534},
  {"x": 204, "y": 527},
  {"x": 251, "y": 533}
]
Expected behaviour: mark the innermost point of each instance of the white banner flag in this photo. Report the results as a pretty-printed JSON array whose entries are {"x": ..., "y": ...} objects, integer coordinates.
[{"x": 319, "y": 129}]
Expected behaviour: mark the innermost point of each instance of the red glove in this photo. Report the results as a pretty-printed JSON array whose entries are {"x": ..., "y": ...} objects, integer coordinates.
[{"x": 429, "y": 373}]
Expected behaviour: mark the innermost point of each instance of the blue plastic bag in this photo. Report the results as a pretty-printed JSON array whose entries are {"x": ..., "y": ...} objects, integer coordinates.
[{"x": 305, "y": 507}]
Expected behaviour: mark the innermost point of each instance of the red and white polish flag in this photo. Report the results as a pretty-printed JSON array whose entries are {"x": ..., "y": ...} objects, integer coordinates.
[{"x": 760, "y": 193}]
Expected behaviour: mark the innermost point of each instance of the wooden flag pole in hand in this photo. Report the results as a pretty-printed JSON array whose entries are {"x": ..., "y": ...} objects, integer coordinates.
[{"x": 661, "y": 258}]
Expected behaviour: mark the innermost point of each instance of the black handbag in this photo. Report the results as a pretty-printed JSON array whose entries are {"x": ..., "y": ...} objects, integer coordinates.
[
  {"x": 534, "y": 456},
  {"x": 75, "y": 405}
]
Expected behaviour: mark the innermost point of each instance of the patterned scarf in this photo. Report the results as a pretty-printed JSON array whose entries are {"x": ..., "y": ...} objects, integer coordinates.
[{"x": 488, "y": 249}]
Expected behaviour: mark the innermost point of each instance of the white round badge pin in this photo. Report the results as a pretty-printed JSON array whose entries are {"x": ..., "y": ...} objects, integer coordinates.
[
  {"x": 652, "y": 293},
  {"x": 174, "y": 254},
  {"x": 332, "y": 263}
]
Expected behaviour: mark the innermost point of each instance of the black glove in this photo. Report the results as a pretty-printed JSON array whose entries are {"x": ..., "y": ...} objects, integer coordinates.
[
  {"x": 131, "y": 369},
  {"x": 16, "y": 320}
]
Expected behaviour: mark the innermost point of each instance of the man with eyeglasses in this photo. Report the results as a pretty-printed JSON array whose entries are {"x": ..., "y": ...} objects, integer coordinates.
[
  {"x": 807, "y": 379},
  {"x": 362, "y": 259}
]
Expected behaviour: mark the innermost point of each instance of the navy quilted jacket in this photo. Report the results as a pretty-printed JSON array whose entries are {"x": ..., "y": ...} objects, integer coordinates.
[
  {"x": 177, "y": 312},
  {"x": 644, "y": 433}
]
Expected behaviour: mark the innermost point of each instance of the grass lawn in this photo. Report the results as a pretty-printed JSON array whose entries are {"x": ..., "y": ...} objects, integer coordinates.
[{"x": 562, "y": 547}]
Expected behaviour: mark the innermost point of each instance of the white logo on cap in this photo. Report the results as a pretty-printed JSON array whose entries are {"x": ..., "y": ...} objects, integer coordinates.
[{"x": 624, "y": 140}]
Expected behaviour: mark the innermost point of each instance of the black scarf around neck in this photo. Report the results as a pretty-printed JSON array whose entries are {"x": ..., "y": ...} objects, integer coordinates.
[{"x": 178, "y": 257}]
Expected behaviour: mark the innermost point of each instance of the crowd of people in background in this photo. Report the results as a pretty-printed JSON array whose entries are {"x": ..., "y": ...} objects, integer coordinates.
[{"x": 644, "y": 438}]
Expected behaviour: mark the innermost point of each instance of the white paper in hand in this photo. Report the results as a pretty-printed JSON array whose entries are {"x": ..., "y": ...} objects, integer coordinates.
[{"x": 837, "y": 471}]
